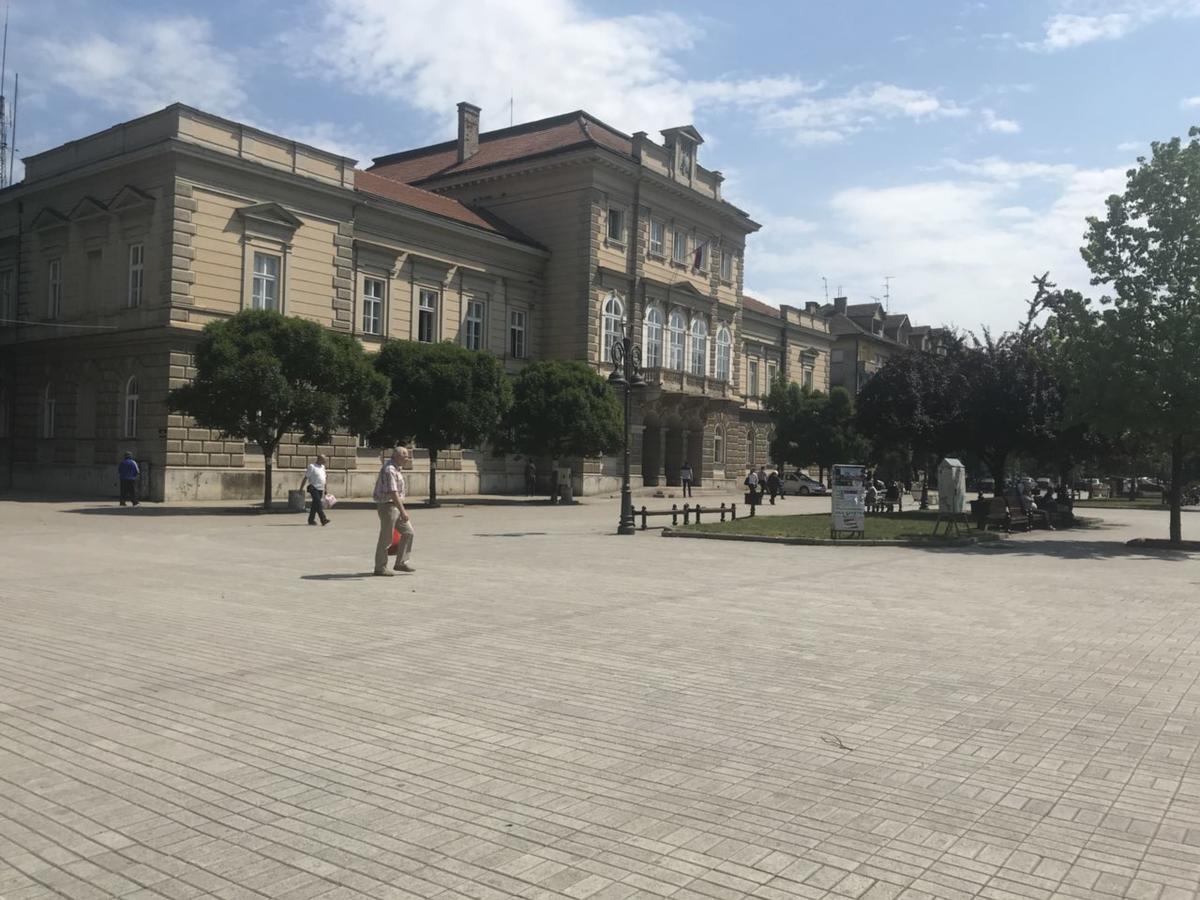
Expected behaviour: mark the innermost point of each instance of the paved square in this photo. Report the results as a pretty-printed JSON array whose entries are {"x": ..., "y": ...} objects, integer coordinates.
[{"x": 224, "y": 705}]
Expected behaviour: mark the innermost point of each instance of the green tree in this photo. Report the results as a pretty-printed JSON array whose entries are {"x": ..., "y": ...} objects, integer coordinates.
[
  {"x": 812, "y": 427},
  {"x": 441, "y": 395},
  {"x": 1137, "y": 352},
  {"x": 563, "y": 409},
  {"x": 261, "y": 375}
]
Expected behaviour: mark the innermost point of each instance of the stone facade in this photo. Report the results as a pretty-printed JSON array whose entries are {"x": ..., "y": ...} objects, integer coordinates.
[{"x": 121, "y": 246}]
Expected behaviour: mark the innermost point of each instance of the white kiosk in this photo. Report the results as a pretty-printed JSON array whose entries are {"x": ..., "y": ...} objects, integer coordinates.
[
  {"x": 952, "y": 496},
  {"x": 849, "y": 485}
]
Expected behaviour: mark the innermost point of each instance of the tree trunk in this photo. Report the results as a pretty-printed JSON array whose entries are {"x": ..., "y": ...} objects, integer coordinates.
[
  {"x": 268, "y": 453},
  {"x": 433, "y": 500},
  {"x": 1176, "y": 489},
  {"x": 996, "y": 467}
]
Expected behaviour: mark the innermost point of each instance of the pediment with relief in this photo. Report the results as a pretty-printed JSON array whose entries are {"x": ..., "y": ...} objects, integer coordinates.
[
  {"x": 268, "y": 217},
  {"x": 88, "y": 208},
  {"x": 130, "y": 198},
  {"x": 48, "y": 218}
]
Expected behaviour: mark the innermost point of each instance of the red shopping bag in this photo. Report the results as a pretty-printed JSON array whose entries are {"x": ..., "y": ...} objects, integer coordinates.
[{"x": 395, "y": 542}]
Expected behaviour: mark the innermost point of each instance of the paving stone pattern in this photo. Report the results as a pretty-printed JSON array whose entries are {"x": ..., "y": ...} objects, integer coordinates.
[{"x": 229, "y": 706}]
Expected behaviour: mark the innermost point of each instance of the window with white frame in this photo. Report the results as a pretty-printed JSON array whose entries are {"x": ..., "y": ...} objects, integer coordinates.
[
  {"x": 726, "y": 265},
  {"x": 752, "y": 378},
  {"x": 772, "y": 370},
  {"x": 264, "y": 289},
  {"x": 613, "y": 320},
  {"x": 616, "y": 225},
  {"x": 654, "y": 337},
  {"x": 8, "y": 297},
  {"x": 518, "y": 333},
  {"x": 49, "y": 408},
  {"x": 676, "y": 336},
  {"x": 54, "y": 289},
  {"x": 427, "y": 306},
  {"x": 679, "y": 247},
  {"x": 372, "y": 305},
  {"x": 137, "y": 268},
  {"x": 724, "y": 353},
  {"x": 473, "y": 326},
  {"x": 658, "y": 238},
  {"x": 131, "y": 408},
  {"x": 699, "y": 347},
  {"x": 719, "y": 446},
  {"x": 700, "y": 257},
  {"x": 808, "y": 379}
]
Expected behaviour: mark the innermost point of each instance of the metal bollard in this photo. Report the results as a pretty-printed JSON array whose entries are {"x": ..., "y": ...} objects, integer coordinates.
[
  {"x": 722, "y": 512},
  {"x": 686, "y": 514},
  {"x": 732, "y": 512},
  {"x": 674, "y": 515},
  {"x": 643, "y": 518},
  {"x": 697, "y": 513}
]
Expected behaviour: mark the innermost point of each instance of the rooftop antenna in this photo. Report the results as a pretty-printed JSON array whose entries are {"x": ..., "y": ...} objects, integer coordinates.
[
  {"x": 825, "y": 281},
  {"x": 887, "y": 293},
  {"x": 512, "y": 107},
  {"x": 4, "y": 165},
  {"x": 12, "y": 147}
]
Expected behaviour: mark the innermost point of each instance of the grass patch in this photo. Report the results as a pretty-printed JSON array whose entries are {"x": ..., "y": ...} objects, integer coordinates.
[
  {"x": 909, "y": 526},
  {"x": 1120, "y": 503}
]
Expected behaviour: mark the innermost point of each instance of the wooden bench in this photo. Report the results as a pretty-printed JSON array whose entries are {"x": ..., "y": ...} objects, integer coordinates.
[{"x": 1007, "y": 512}]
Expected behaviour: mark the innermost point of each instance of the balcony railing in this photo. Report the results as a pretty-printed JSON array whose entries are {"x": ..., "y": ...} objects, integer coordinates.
[{"x": 677, "y": 382}]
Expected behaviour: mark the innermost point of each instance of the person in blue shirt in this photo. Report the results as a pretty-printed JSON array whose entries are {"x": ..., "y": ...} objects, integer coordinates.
[{"x": 128, "y": 471}]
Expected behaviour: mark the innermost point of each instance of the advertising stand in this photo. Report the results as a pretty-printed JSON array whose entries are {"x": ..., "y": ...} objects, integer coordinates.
[
  {"x": 952, "y": 496},
  {"x": 849, "y": 484}
]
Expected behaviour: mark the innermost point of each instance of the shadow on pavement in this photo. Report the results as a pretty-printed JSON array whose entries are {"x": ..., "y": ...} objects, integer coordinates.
[
  {"x": 1063, "y": 549},
  {"x": 156, "y": 510},
  {"x": 338, "y": 576}
]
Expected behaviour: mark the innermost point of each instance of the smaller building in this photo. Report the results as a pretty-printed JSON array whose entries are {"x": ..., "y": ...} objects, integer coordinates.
[{"x": 866, "y": 336}]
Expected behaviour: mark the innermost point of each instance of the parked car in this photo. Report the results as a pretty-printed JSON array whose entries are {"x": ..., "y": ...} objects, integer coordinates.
[{"x": 799, "y": 483}]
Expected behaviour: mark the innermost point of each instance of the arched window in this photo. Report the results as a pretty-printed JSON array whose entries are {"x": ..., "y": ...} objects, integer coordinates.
[
  {"x": 719, "y": 446},
  {"x": 48, "y": 410},
  {"x": 131, "y": 407},
  {"x": 675, "y": 337},
  {"x": 699, "y": 347},
  {"x": 654, "y": 337},
  {"x": 614, "y": 317},
  {"x": 724, "y": 353}
]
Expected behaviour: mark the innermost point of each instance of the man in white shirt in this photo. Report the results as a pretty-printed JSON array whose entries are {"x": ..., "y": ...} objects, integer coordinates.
[
  {"x": 389, "y": 501},
  {"x": 314, "y": 476}
]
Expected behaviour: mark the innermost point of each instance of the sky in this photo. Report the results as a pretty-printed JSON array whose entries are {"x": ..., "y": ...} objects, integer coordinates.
[{"x": 952, "y": 148}]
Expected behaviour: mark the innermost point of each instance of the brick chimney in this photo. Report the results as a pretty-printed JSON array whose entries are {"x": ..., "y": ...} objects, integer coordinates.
[
  {"x": 839, "y": 305},
  {"x": 468, "y": 130}
]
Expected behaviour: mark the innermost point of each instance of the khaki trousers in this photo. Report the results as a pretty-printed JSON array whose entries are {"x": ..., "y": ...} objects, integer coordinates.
[{"x": 388, "y": 516}]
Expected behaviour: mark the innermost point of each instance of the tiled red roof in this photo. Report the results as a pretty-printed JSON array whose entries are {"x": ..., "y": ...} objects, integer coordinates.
[
  {"x": 576, "y": 129},
  {"x": 759, "y": 307},
  {"x": 390, "y": 189}
]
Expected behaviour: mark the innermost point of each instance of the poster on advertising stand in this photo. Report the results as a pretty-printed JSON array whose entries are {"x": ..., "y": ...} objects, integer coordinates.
[{"x": 849, "y": 484}]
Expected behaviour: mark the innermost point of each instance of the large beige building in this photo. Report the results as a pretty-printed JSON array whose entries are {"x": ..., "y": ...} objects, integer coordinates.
[{"x": 542, "y": 240}]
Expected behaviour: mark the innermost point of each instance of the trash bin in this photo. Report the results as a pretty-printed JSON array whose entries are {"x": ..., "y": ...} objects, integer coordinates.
[{"x": 296, "y": 501}]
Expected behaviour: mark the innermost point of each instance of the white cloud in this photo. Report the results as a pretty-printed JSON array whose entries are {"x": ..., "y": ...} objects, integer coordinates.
[
  {"x": 993, "y": 122},
  {"x": 963, "y": 249},
  {"x": 552, "y": 55},
  {"x": 1190, "y": 103},
  {"x": 1130, "y": 146},
  {"x": 143, "y": 64},
  {"x": 1107, "y": 21}
]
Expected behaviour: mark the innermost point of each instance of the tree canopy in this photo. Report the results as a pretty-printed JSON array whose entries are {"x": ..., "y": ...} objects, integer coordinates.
[
  {"x": 812, "y": 427},
  {"x": 563, "y": 409},
  {"x": 914, "y": 403},
  {"x": 1137, "y": 351},
  {"x": 441, "y": 395},
  {"x": 261, "y": 375}
]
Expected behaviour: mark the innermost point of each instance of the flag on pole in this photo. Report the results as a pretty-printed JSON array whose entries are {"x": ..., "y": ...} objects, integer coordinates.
[{"x": 698, "y": 254}]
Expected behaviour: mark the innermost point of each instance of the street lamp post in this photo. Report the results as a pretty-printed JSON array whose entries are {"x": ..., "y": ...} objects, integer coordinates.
[{"x": 626, "y": 375}]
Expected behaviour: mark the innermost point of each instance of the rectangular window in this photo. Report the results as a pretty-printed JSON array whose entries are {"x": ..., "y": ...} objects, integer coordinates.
[
  {"x": 808, "y": 379},
  {"x": 427, "y": 305},
  {"x": 753, "y": 378},
  {"x": 473, "y": 327},
  {"x": 264, "y": 292},
  {"x": 616, "y": 226},
  {"x": 54, "y": 289},
  {"x": 137, "y": 266},
  {"x": 8, "y": 306},
  {"x": 726, "y": 265},
  {"x": 700, "y": 257},
  {"x": 658, "y": 238},
  {"x": 679, "y": 249},
  {"x": 372, "y": 306},
  {"x": 517, "y": 320},
  {"x": 772, "y": 368}
]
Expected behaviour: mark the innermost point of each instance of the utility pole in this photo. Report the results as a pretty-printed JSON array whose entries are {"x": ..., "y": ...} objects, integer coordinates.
[{"x": 825, "y": 282}]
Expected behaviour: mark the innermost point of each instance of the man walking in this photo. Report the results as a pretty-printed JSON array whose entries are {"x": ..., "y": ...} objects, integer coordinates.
[
  {"x": 314, "y": 475},
  {"x": 530, "y": 478},
  {"x": 128, "y": 472},
  {"x": 389, "y": 501},
  {"x": 685, "y": 475}
]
